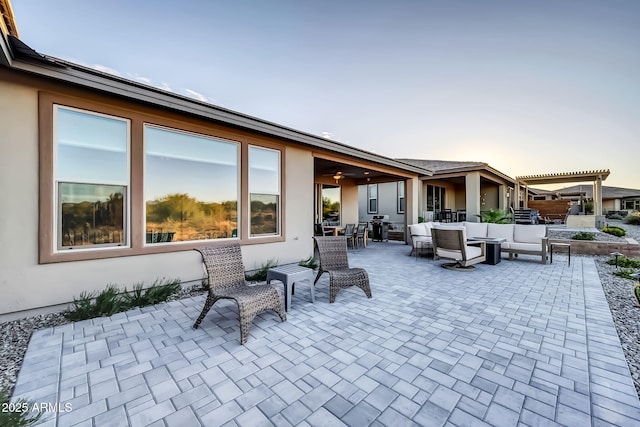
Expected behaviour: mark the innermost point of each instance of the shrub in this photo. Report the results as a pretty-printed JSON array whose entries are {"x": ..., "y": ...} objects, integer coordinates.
[
  {"x": 17, "y": 413},
  {"x": 260, "y": 275},
  {"x": 158, "y": 292},
  {"x": 614, "y": 216},
  {"x": 112, "y": 300},
  {"x": 636, "y": 292},
  {"x": 633, "y": 218},
  {"x": 625, "y": 273},
  {"x": 584, "y": 235},
  {"x": 625, "y": 262},
  {"x": 310, "y": 262},
  {"x": 613, "y": 230}
]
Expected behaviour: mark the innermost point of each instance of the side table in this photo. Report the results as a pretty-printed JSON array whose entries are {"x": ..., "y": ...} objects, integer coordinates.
[
  {"x": 555, "y": 245},
  {"x": 290, "y": 275}
]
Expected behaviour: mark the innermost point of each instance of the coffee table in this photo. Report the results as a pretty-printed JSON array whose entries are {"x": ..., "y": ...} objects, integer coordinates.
[{"x": 289, "y": 275}]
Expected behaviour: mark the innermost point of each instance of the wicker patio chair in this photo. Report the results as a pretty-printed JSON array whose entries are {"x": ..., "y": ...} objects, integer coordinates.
[
  {"x": 451, "y": 243},
  {"x": 226, "y": 281},
  {"x": 332, "y": 252}
]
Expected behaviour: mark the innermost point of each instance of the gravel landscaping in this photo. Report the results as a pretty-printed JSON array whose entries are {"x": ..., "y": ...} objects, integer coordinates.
[{"x": 15, "y": 335}]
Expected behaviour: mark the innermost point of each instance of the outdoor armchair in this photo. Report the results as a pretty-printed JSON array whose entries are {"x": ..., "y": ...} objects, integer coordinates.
[
  {"x": 332, "y": 253},
  {"x": 451, "y": 243},
  {"x": 227, "y": 281}
]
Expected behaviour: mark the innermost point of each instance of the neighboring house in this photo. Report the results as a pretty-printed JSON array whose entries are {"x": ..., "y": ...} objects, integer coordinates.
[
  {"x": 464, "y": 188},
  {"x": 613, "y": 198},
  {"x": 106, "y": 180}
]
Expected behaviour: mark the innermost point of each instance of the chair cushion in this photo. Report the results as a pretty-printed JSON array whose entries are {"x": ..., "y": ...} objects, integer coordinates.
[
  {"x": 418, "y": 230},
  {"x": 501, "y": 231},
  {"x": 415, "y": 239},
  {"x": 529, "y": 233},
  {"x": 472, "y": 252},
  {"x": 476, "y": 229}
]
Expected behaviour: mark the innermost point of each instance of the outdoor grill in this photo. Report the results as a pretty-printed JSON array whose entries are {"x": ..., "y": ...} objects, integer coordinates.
[{"x": 380, "y": 224}]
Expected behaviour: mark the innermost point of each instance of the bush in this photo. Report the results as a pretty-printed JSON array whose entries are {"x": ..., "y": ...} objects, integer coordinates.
[
  {"x": 636, "y": 292},
  {"x": 625, "y": 262},
  {"x": 112, "y": 300},
  {"x": 154, "y": 294},
  {"x": 310, "y": 262},
  {"x": 614, "y": 216},
  {"x": 260, "y": 275},
  {"x": 584, "y": 235},
  {"x": 613, "y": 230},
  {"x": 18, "y": 413},
  {"x": 625, "y": 273},
  {"x": 633, "y": 218}
]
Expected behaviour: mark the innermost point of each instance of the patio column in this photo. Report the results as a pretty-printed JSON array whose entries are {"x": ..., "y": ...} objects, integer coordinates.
[
  {"x": 472, "y": 190},
  {"x": 502, "y": 197},
  {"x": 597, "y": 196},
  {"x": 412, "y": 203}
]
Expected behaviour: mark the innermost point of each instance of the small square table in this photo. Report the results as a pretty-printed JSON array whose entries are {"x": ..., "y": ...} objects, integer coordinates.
[
  {"x": 493, "y": 247},
  {"x": 290, "y": 275},
  {"x": 556, "y": 245}
]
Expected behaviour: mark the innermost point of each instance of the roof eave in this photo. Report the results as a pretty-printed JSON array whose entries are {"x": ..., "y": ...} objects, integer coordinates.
[{"x": 72, "y": 73}]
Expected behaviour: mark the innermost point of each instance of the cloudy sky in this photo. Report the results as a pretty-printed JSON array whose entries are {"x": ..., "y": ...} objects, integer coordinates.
[{"x": 528, "y": 87}]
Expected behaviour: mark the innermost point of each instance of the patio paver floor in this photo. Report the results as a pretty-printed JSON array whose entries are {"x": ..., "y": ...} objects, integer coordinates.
[{"x": 519, "y": 343}]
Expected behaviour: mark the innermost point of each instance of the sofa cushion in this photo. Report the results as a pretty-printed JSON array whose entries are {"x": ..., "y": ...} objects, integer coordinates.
[
  {"x": 476, "y": 229},
  {"x": 529, "y": 233},
  {"x": 518, "y": 246},
  {"x": 501, "y": 231}
]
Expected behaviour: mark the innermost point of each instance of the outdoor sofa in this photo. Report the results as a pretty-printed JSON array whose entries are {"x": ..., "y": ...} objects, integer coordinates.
[{"x": 530, "y": 239}]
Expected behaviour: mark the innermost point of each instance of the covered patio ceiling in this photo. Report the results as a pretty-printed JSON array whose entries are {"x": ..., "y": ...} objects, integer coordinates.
[{"x": 357, "y": 173}]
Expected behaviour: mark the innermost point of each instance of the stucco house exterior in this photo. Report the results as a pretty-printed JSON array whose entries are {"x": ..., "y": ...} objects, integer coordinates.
[
  {"x": 109, "y": 181},
  {"x": 464, "y": 188}
]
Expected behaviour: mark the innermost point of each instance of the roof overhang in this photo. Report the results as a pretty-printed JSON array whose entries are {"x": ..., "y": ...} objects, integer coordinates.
[
  {"x": 564, "y": 177},
  {"x": 31, "y": 62}
]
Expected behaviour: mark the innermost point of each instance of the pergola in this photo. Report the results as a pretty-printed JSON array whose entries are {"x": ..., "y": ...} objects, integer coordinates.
[{"x": 596, "y": 176}]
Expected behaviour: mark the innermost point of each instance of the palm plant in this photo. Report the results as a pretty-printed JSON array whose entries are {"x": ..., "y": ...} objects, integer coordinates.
[{"x": 495, "y": 216}]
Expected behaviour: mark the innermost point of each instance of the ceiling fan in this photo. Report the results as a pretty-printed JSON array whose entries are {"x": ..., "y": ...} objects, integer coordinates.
[{"x": 337, "y": 175}]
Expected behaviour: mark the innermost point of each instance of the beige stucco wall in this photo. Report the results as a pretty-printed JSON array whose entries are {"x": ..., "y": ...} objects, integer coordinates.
[{"x": 25, "y": 284}]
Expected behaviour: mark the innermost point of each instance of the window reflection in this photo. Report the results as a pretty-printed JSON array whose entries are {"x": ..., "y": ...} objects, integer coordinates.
[
  {"x": 91, "y": 214},
  {"x": 91, "y": 171},
  {"x": 331, "y": 204},
  {"x": 264, "y": 191},
  {"x": 191, "y": 186}
]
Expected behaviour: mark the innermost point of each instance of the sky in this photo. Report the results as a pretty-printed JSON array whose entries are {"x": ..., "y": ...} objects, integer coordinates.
[{"x": 528, "y": 87}]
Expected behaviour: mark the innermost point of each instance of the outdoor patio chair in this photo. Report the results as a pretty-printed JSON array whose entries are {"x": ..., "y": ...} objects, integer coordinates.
[
  {"x": 451, "y": 243},
  {"x": 319, "y": 230},
  {"x": 361, "y": 234},
  {"x": 227, "y": 281},
  {"x": 349, "y": 233},
  {"x": 332, "y": 253}
]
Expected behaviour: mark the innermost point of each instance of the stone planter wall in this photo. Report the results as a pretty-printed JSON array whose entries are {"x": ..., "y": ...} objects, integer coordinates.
[{"x": 630, "y": 248}]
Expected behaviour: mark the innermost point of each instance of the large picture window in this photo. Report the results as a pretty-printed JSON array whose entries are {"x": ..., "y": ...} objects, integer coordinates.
[
  {"x": 264, "y": 191},
  {"x": 191, "y": 185},
  {"x": 117, "y": 180},
  {"x": 91, "y": 175}
]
